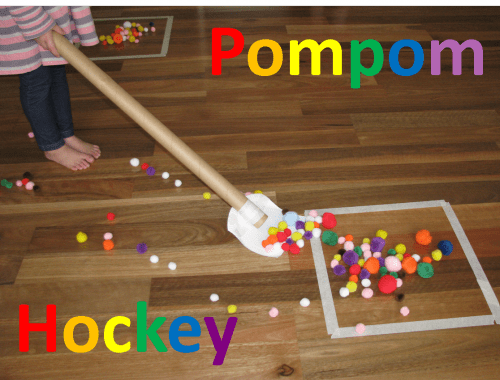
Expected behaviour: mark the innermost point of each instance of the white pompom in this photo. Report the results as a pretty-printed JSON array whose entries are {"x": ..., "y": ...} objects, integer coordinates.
[
  {"x": 344, "y": 292},
  {"x": 172, "y": 266},
  {"x": 134, "y": 162},
  {"x": 154, "y": 259},
  {"x": 304, "y": 302},
  {"x": 366, "y": 282},
  {"x": 316, "y": 232},
  {"x": 301, "y": 231},
  {"x": 318, "y": 219},
  {"x": 165, "y": 175},
  {"x": 309, "y": 218},
  {"x": 214, "y": 297},
  {"x": 416, "y": 257},
  {"x": 300, "y": 243},
  {"x": 178, "y": 182}
]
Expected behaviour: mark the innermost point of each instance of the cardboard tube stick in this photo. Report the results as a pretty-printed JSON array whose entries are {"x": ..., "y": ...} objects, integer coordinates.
[{"x": 151, "y": 125}]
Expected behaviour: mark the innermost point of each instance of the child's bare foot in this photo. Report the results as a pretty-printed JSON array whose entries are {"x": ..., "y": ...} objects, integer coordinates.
[
  {"x": 69, "y": 157},
  {"x": 81, "y": 146}
]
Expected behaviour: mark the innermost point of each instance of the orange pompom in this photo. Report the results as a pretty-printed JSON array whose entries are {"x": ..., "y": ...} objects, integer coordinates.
[
  {"x": 349, "y": 238},
  {"x": 353, "y": 278},
  {"x": 316, "y": 225},
  {"x": 118, "y": 38},
  {"x": 423, "y": 237},
  {"x": 272, "y": 239},
  {"x": 427, "y": 259},
  {"x": 409, "y": 265},
  {"x": 372, "y": 265},
  {"x": 265, "y": 243},
  {"x": 108, "y": 245}
]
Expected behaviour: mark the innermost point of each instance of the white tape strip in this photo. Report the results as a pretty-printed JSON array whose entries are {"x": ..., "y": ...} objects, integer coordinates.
[
  {"x": 407, "y": 327},
  {"x": 325, "y": 290},
  {"x": 251, "y": 212},
  {"x": 378, "y": 208},
  {"x": 482, "y": 280}
]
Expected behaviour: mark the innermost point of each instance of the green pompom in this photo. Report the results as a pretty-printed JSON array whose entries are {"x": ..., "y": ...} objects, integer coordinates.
[
  {"x": 4, "y": 182},
  {"x": 391, "y": 252},
  {"x": 329, "y": 237},
  {"x": 394, "y": 274},
  {"x": 358, "y": 251},
  {"x": 425, "y": 270},
  {"x": 383, "y": 271}
]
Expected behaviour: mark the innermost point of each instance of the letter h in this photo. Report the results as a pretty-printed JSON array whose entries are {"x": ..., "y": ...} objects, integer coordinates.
[{"x": 25, "y": 327}]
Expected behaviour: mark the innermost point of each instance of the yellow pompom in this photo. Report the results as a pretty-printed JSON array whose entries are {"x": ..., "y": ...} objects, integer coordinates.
[
  {"x": 117, "y": 26},
  {"x": 140, "y": 29},
  {"x": 207, "y": 195},
  {"x": 401, "y": 248},
  {"x": 81, "y": 237},
  {"x": 361, "y": 262},
  {"x": 337, "y": 257},
  {"x": 282, "y": 226},
  {"x": 257, "y": 192},
  {"x": 437, "y": 255},
  {"x": 296, "y": 236},
  {"x": 231, "y": 309},
  {"x": 352, "y": 286},
  {"x": 366, "y": 241},
  {"x": 309, "y": 226},
  {"x": 381, "y": 233},
  {"x": 102, "y": 37},
  {"x": 132, "y": 39},
  {"x": 133, "y": 25},
  {"x": 399, "y": 256},
  {"x": 272, "y": 231},
  {"x": 127, "y": 28}
]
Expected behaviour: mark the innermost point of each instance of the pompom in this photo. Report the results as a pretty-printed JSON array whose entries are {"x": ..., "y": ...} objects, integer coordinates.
[
  {"x": 367, "y": 293},
  {"x": 425, "y": 270},
  {"x": 360, "y": 328},
  {"x": 377, "y": 244},
  {"x": 81, "y": 237},
  {"x": 404, "y": 311},
  {"x": 304, "y": 302},
  {"x": 372, "y": 265},
  {"x": 231, "y": 309},
  {"x": 108, "y": 245},
  {"x": 289, "y": 241},
  {"x": 341, "y": 240},
  {"x": 392, "y": 264},
  {"x": 329, "y": 220},
  {"x": 178, "y": 183},
  {"x": 409, "y": 265},
  {"x": 377, "y": 255},
  {"x": 288, "y": 232},
  {"x": 334, "y": 263},
  {"x": 313, "y": 213},
  {"x": 134, "y": 162},
  {"x": 391, "y": 252},
  {"x": 423, "y": 237},
  {"x": 381, "y": 261},
  {"x": 165, "y": 175},
  {"x": 290, "y": 218},
  {"x": 214, "y": 297},
  {"x": 353, "y": 278},
  {"x": 366, "y": 241},
  {"x": 150, "y": 171},
  {"x": 296, "y": 236},
  {"x": 337, "y": 257},
  {"x": 316, "y": 232},
  {"x": 394, "y": 274},
  {"x": 272, "y": 231},
  {"x": 309, "y": 226},
  {"x": 349, "y": 237},
  {"x": 29, "y": 186},
  {"x": 352, "y": 286},
  {"x": 319, "y": 220},
  {"x": 416, "y": 257},
  {"x": 367, "y": 255},
  {"x": 172, "y": 266},
  {"x": 207, "y": 195},
  {"x": 437, "y": 254},
  {"x": 154, "y": 259},
  {"x": 400, "y": 248},
  {"x": 427, "y": 260},
  {"x": 445, "y": 247},
  {"x": 308, "y": 235},
  {"x": 399, "y": 256},
  {"x": 299, "y": 225},
  {"x": 387, "y": 284},
  {"x": 355, "y": 269},
  {"x": 285, "y": 247},
  {"x": 366, "y": 282},
  {"x": 310, "y": 218},
  {"x": 399, "y": 282},
  {"x": 294, "y": 249},
  {"x": 350, "y": 257},
  {"x": 281, "y": 237},
  {"x": 364, "y": 274},
  {"x": 19, "y": 183},
  {"x": 144, "y": 166},
  {"x": 358, "y": 251},
  {"x": 108, "y": 236},
  {"x": 142, "y": 248},
  {"x": 365, "y": 247},
  {"x": 273, "y": 313},
  {"x": 381, "y": 234},
  {"x": 344, "y": 292},
  {"x": 361, "y": 262},
  {"x": 300, "y": 243},
  {"x": 348, "y": 245},
  {"x": 110, "y": 216},
  {"x": 282, "y": 226},
  {"x": 339, "y": 270},
  {"x": 329, "y": 237}
]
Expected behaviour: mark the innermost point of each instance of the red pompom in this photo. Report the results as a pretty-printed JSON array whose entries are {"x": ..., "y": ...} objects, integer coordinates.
[
  {"x": 285, "y": 247},
  {"x": 25, "y": 181},
  {"x": 387, "y": 284},
  {"x": 281, "y": 236},
  {"x": 355, "y": 269},
  {"x": 110, "y": 216},
  {"x": 294, "y": 248},
  {"x": 144, "y": 166},
  {"x": 287, "y": 232},
  {"x": 406, "y": 255},
  {"x": 329, "y": 220}
]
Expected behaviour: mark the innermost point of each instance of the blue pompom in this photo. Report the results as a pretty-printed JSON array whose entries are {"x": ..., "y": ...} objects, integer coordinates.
[{"x": 445, "y": 247}]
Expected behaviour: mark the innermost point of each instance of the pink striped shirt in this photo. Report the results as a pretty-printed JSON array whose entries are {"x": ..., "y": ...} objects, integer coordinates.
[{"x": 19, "y": 26}]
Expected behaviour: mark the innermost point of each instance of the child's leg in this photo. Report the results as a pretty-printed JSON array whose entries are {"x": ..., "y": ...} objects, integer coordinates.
[
  {"x": 61, "y": 101},
  {"x": 37, "y": 105}
]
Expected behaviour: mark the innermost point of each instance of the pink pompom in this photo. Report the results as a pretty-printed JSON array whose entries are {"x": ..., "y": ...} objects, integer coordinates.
[
  {"x": 140, "y": 34},
  {"x": 348, "y": 245},
  {"x": 399, "y": 282},
  {"x": 273, "y": 312},
  {"x": 334, "y": 263},
  {"x": 31, "y": 135},
  {"x": 365, "y": 247},
  {"x": 153, "y": 29},
  {"x": 19, "y": 183},
  {"x": 269, "y": 248},
  {"x": 392, "y": 264},
  {"x": 377, "y": 254},
  {"x": 341, "y": 240},
  {"x": 248, "y": 193},
  {"x": 367, "y": 254},
  {"x": 404, "y": 311},
  {"x": 108, "y": 236},
  {"x": 313, "y": 213},
  {"x": 136, "y": 40},
  {"x": 360, "y": 328},
  {"x": 367, "y": 293},
  {"x": 30, "y": 185}
]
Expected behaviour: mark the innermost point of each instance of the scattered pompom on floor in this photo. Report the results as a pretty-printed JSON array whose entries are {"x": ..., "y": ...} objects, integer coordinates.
[
  {"x": 207, "y": 195},
  {"x": 150, "y": 171},
  {"x": 214, "y": 297},
  {"x": 360, "y": 328},
  {"x": 404, "y": 311},
  {"x": 154, "y": 259},
  {"x": 178, "y": 183},
  {"x": 344, "y": 292},
  {"x": 367, "y": 293},
  {"x": 142, "y": 248},
  {"x": 423, "y": 237},
  {"x": 81, "y": 237},
  {"x": 304, "y": 302},
  {"x": 387, "y": 284},
  {"x": 172, "y": 266},
  {"x": 108, "y": 245},
  {"x": 231, "y": 309},
  {"x": 273, "y": 313},
  {"x": 425, "y": 270},
  {"x": 111, "y": 216},
  {"x": 445, "y": 247},
  {"x": 165, "y": 175},
  {"x": 134, "y": 162}
]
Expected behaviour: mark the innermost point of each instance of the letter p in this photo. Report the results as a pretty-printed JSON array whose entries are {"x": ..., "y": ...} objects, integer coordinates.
[{"x": 217, "y": 54}]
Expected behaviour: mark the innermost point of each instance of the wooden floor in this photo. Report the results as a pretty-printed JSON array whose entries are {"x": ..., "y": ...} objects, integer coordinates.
[{"x": 307, "y": 142}]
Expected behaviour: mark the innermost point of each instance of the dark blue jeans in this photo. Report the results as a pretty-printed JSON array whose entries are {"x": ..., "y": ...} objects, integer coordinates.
[{"x": 46, "y": 104}]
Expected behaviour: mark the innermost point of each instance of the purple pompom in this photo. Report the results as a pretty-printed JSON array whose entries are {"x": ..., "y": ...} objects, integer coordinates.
[
  {"x": 308, "y": 235},
  {"x": 377, "y": 244},
  {"x": 364, "y": 274},
  {"x": 150, "y": 171},
  {"x": 350, "y": 257},
  {"x": 142, "y": 248},
  {"x": 300, "y": 225},
  {"x": 289, "y": 241},
  {"x": 381, "y": 260},
  {"x": 339, "y": 270}
]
